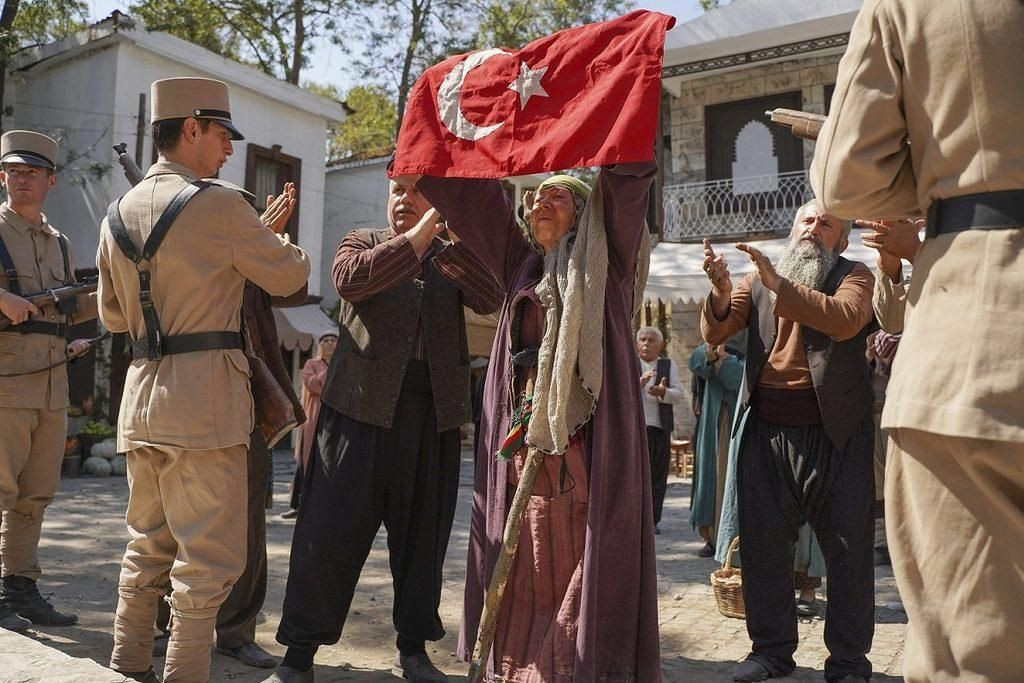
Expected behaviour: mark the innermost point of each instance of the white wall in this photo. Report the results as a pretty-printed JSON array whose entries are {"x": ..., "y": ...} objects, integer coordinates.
[
  {"x": 100, "y": 92},
  {"x": 354, "y": 198},
  {"x": 71, "y": 102}
]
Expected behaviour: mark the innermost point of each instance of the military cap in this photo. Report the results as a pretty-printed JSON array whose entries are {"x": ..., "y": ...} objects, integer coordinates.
[
  {"x": 26, "y": 147},
  {"x": 198, "y": 98}
]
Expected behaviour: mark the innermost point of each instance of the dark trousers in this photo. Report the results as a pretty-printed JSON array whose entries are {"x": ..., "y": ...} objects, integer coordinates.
[
  {"x": 658, "y": 452},
  {"x": 296, "y": 487},
  {"x": 358, "y": 476},
  {"x": 236, "y": 619},
  {"x": 787, "y": 475}
]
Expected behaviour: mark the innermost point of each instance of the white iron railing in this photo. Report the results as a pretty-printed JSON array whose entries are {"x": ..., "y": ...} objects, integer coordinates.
[{"x": 734, "y": 206}]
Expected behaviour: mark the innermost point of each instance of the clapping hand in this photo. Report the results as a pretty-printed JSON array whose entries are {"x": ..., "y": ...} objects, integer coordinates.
[
  {"x": 279, "y": 209},
  {"x": 765, "y": 270},
  {"x": 659, "y": 389},
  {"x": 646, "y": 377}
]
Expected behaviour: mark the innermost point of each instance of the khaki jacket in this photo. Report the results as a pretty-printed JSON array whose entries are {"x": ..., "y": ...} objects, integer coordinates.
[
  {"x": 927, "y": 105},
  {"x": 198, "y": 400},
  {"x": 37, "y": 257}
]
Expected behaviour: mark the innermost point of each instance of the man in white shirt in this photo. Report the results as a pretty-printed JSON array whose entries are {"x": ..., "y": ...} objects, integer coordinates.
[{"x": 660, "y": 389}]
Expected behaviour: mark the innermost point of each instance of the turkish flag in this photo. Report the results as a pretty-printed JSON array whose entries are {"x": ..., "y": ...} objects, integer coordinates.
[{"x": 586, "y": 96}]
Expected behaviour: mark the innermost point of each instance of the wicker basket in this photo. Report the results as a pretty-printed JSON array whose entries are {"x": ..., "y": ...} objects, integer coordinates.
[{"x": 727, "y": 584}]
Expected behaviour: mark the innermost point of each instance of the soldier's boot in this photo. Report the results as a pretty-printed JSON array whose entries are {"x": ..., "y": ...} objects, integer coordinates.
[
  {"x": 10, "y": 620},
  {"x": 21, "y": 594}
]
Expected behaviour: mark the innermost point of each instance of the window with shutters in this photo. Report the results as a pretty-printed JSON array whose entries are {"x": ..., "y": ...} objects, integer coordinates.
[{"x": 266, "y": 172}]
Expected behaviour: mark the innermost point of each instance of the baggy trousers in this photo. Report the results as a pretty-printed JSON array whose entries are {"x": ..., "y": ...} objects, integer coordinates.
[
  {"x": 787, "y": 475},
  {"x": 186, "y": 518},
  {"x": 236, "y": 620},
  {"x": 31, "y": 451},
  {"x": 358, "y": 476},
  {"x": 955, "y": 520},
  {"x": 658, "y": 452}
]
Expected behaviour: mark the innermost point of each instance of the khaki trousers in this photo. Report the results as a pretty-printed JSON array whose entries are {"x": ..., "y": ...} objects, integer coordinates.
[
  {"x": 955, "y": 522},
  {"x": 31, "y": 451},
  {"x": 187, "y": 522}
]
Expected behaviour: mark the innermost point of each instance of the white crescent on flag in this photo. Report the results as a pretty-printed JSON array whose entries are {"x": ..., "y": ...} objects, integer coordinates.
[{"x": 449, "y": 94}]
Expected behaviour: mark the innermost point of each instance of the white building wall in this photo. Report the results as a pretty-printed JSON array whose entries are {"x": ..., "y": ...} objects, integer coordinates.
[
  {"x": 72, "y": 102},
  {"x": 354, "y": 198},
  {"x": 94, "y": 101}
]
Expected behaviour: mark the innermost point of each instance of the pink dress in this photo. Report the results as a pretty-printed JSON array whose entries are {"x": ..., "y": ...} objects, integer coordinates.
[{"x": 314, "y": 373}]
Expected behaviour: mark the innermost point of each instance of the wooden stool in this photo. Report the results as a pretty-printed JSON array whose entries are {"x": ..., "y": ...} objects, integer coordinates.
[{"x": 682, "y": 457}]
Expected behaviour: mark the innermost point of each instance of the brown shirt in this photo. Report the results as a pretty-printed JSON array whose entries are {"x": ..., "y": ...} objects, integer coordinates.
[
  {"x": 40, "y": 264},
  {"x": 840, "y": 316}
]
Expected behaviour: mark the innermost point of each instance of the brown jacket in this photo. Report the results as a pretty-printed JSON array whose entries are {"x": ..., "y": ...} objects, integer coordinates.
[
  {"x": 927, "y": 105},
  {"x": 40, "y": 264},
  {"x": 197, "y": 400}
]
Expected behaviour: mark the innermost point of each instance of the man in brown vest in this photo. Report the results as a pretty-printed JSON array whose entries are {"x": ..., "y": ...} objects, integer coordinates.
[
  {"x": 187, "y": 412},
  {"x": 33, "y": 406},
  {"x": 807, "y": 445},
  {"x": 925, "y": 120},
  {"x": 387, "y": 445}
]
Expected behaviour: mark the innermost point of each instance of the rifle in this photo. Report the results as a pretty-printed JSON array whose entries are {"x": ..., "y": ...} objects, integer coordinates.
[
  {"x": 275, "y": 414},
  {"x": 62, "y": 297},
  {"x": 801, "y": 123}
]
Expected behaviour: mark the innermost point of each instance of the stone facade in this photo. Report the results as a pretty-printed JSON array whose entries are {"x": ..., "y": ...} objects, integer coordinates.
[{"x": 685, "y": 125}]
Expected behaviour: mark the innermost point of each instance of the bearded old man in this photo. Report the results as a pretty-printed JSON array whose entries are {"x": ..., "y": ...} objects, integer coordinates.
[
  {"x": 581, "y": 600},
  {"x": 807, "y": 443}
]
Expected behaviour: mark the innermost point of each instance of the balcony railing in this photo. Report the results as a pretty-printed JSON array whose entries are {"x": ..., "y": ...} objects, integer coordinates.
[{"x": 733, "y": 207}]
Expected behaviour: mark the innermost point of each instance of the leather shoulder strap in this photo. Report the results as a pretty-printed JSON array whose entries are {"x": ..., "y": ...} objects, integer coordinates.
[
  {"x": 62, "y": 240},
  {"x": 160, "y": 228},
  {"x": 8, "y": 265}
]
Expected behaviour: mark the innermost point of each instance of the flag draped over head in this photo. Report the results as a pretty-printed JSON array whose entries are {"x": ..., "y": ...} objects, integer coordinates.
[{"x": 586, "y": 96}]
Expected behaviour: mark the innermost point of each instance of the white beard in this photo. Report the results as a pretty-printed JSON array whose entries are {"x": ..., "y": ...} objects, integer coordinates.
[{"x": 805, "y": 263}]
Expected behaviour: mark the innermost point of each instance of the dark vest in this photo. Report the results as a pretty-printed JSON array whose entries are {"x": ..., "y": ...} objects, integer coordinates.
[
  {"x": 839, "y": 370},
  {"x": 375, "y": 341},
  {"x": 665, "y": 414}
]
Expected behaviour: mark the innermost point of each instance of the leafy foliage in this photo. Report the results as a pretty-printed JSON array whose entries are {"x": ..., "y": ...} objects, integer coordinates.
[{"x": 369, "y": 130}]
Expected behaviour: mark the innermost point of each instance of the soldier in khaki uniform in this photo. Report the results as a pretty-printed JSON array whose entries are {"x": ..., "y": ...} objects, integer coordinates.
[
  {"x": 33, "y": 406},
  {"x": 187, "y": 410},
  {"x": 926, "y": 117}
]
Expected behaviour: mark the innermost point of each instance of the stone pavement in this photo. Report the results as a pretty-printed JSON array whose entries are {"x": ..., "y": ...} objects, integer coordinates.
[{"x": 84, "y": 536}]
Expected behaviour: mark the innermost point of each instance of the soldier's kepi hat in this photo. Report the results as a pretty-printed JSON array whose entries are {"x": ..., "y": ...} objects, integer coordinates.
[
  {"x": 198, "y": 98},
  {"x": 26, "y": 147}
]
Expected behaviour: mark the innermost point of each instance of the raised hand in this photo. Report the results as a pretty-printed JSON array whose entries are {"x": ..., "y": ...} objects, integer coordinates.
[
  {"x": 646, "y": 377},
  {"x": 898, "y": 239},
  {"x": 424, "y": 232},
  {"x": 765, "y": 270},
  {"x": 717, "y": 271},
  {"x": 279, "y": 209}
]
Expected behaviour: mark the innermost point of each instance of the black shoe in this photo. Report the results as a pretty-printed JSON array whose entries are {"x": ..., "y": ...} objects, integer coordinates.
[
  {"x": 289, "y": 514},
  {"x": 417, "y": 668},
  {"x": 807, "y": 608},
  {"x": 250, "y": 654},
  {"x": 286, "y": 674},
  {"x": 750, "y": 670},
  {"x": 707, "y": 551},
  {"x": 22, "y": 595},
  {"x": 10, "y": 620},
  {"x": 657, "y": 531},
  {"x": 144, "y": 677},
  {"x": 851, "y": 678}
]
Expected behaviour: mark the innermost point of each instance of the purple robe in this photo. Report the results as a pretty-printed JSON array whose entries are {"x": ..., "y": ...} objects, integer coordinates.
[{"x": 617, "y": 639}]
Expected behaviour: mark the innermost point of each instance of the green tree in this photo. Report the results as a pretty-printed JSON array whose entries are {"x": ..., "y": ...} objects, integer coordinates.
[
  {"x": 26, "y": 23},
  {"x": 276, "y": 36},
  {"x": 708, "y": 5},
  {"x": 514, "y": 23},
  {"x": 369, "y": 130}
]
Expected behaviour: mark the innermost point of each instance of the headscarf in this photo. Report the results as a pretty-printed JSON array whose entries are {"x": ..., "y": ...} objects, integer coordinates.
[{"x": 570, "y": 362}]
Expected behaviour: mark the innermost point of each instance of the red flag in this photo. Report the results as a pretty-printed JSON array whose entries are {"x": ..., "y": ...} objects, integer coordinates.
[{"x": 586, "y": 96}]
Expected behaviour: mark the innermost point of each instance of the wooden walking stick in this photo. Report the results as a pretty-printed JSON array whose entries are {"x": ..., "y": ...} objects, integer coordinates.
[{"x": 506, "y": 556}]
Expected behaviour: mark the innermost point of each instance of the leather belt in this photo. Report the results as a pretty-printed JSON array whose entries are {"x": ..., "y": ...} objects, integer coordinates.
[
  {"x": 38, "y": 327},
  {"x": 188, "y": 343},
  {"x": 983, "y": 211}
]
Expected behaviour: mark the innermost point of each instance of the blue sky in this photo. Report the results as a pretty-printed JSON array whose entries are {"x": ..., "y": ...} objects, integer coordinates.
[{"x": 327, "y": 63}]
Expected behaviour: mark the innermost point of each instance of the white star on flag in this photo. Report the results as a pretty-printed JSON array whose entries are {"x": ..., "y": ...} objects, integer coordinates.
[{"x": 527, "y": 84}]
